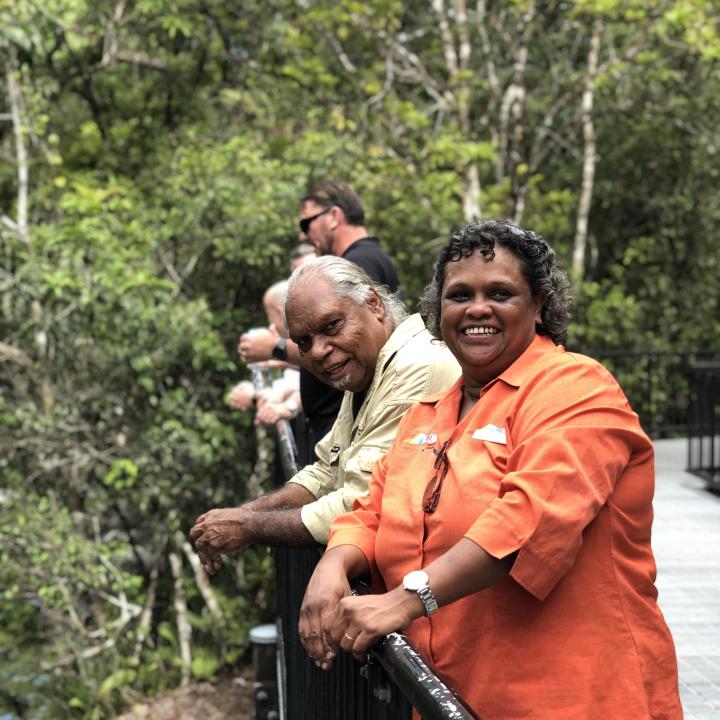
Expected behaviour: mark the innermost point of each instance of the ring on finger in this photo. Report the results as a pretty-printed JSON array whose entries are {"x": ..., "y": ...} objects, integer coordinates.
[{"x": 350, "y": 638}]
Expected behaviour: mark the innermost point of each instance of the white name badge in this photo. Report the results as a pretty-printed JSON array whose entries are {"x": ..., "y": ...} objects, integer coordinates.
[{"x": 491, "y": 433}]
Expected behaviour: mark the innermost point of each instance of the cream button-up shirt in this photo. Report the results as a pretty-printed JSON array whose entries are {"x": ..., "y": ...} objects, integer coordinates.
[{"x": 411, "y": 366}]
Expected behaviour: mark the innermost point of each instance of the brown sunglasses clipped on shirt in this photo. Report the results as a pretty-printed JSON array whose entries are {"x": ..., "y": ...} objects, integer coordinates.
[{"x": 431, "y": 497}]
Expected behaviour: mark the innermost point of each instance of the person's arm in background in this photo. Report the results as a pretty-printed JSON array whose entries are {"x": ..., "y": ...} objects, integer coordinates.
[
  {"x": 258, "y": 345},
  {"x": 286, "y": 407},
  {"x": 242, "y": 396}
]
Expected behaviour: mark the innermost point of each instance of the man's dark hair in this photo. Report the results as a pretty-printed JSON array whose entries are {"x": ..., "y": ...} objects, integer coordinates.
[
  {"x": 537, "y": 263},
  {"x": 340, "y": 195}
]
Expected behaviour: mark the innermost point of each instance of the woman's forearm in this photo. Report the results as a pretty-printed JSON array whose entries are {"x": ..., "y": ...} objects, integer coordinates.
[
  {"x": 465, "y": 569},
  {"x": 348, "y": 559}
]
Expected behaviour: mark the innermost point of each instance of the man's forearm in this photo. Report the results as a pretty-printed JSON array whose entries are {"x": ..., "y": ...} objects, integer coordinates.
[
  {"x": 290, "y": 495},
  {"x": 274, "y": 519},
  {"x": 279, "y": 528}
]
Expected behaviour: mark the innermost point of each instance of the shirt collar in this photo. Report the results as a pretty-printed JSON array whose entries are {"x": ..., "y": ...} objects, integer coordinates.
[
  {"x": 403, "y": 333},
  {"x": 516, "y": 374}
]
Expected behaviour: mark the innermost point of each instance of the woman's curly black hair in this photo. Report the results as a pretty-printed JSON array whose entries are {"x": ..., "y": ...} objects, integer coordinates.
[{"x": 537, "y": 262}]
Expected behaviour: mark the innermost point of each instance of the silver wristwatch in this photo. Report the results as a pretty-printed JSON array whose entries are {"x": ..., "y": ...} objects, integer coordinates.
[{"x": 417, "y": 581}]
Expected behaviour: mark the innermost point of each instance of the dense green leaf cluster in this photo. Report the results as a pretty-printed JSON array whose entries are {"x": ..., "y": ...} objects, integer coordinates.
[{"x": 153, "y": 155}]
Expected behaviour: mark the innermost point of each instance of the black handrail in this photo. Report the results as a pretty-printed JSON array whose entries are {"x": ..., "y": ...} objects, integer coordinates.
[
  {"x": 287, "y": 448},
  {"x": 395, "y": 654},
  {"x": 433, "y": 699}
]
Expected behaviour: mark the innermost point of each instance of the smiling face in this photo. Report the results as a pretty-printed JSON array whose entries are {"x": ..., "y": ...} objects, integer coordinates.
[
  {"x": 339, "y": 340},
  {"x": 319, "y": 232},
  {"x": 487, "y": 314}
]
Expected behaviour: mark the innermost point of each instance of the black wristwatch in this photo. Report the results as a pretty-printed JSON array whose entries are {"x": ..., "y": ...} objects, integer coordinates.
[{"x": 279, "y": 352}]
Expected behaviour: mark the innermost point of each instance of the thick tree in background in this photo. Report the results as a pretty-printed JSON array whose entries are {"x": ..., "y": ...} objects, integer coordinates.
[{"x": 153, "y": 154}]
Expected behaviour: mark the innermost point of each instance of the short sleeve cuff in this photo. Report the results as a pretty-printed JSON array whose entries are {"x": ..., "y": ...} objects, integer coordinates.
[
  {"x": 352, "y": 536},
  {"x": 310, "y": 483},
  {"x": 495, "y": 533},
  {"x": 315, "y": 522}
]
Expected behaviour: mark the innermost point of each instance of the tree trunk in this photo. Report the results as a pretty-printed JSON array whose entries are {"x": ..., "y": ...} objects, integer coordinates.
[
  {"x": 16, "y": 106},
  {"x": 182, "y": 619},
  {"x": 201, "y": 580},
  {"x": 589, "y": 159},
  {"x": 471, "y": 196}
]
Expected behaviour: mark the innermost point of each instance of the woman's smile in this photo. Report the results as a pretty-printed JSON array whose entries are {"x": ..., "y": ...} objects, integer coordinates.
[
  {"x": 488, "y": 315},
  {"x": 480, "y": 331}
]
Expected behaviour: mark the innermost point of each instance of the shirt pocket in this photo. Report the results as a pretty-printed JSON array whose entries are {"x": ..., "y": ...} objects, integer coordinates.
[
  {"x": 367, "y": 457},
  {"x": 357, "y": 467}
]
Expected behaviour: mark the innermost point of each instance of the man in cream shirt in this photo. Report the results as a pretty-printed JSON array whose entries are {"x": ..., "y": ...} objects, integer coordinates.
[{"x": 355, "y": 336}]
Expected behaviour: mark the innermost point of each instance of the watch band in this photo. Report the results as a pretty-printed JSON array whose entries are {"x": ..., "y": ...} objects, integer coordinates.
[
  {"x": 279, "y": 352},
  {"x": 428, "y": 600}
]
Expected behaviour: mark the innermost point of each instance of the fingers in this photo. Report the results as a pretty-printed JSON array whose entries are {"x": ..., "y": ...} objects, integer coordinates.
[
  {"x": 354, "y": 629},
  {"x": 318, "y": 613},
  {"x": 202, "y": 518},
  {"x": 314, "y": 636},
  {"x": 210, "y": 559},
  {"x": 355, "y": 641},
  {"x": 318, "y": 649},
  {"x": 211, "y": 563}
]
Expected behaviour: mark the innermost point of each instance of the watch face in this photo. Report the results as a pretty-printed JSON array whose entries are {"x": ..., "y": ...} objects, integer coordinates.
[{"x": 415, "y": 580}]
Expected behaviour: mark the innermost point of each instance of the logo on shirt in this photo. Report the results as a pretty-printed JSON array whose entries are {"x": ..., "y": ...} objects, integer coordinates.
[
  {"x": 491, "y": 433},
  {"x": 423, "y": 439}
]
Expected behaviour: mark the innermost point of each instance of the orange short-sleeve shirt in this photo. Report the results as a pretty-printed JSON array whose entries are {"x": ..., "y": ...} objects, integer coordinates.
[{"x": 551, "y": 462}]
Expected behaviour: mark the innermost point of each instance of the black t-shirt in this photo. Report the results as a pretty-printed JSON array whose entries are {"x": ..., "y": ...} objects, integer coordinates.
[
  {"x": 321, "y": 403},
  {"x": 368, "y": 254}
]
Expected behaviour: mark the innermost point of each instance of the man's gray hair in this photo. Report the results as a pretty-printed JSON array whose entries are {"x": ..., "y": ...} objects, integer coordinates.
[{"x": 348, "y": 280}]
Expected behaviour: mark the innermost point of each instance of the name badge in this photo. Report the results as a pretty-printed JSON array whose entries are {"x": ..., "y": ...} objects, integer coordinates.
[{"x": 491, "y": 433}]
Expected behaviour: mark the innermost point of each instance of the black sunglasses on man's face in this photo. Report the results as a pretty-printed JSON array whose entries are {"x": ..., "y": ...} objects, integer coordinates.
[{"x": 305, "y": 222}]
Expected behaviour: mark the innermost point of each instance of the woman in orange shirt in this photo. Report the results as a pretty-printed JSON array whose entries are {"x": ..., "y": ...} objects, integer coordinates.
[{"x": 509, "y": 524}]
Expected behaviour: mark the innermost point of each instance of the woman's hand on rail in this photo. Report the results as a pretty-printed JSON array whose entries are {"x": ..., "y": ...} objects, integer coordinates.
[
  {"x": 360, "y": 621},
  {"x": 328, "y": 585},
  {"x": 326, "y": 588}
]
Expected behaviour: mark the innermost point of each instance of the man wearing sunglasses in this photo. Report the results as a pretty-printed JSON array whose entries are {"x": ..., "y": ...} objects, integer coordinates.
[{"x": 332, "y": 219}]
